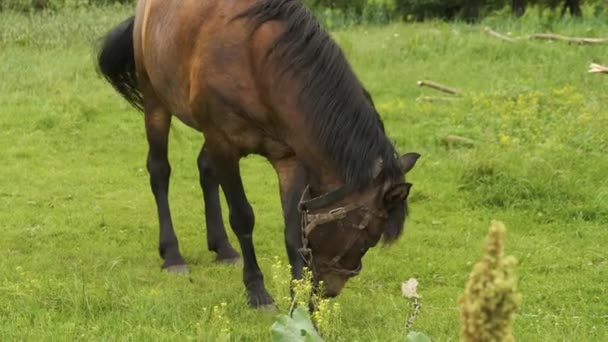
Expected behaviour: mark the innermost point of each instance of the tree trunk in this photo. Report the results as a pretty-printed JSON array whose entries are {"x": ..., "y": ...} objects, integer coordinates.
[
  {"x": 574, "y": 6},
  {"x": 40, "y": 5},
  {"x": 518, "y": 7},
  {"x": 470, "y": 12}
]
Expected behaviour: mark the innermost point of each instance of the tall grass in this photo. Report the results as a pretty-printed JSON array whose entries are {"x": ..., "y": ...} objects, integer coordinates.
[{"x": 68, "y": 27}]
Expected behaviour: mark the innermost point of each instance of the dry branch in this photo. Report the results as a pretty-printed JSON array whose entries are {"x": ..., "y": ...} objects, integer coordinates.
[
  {"x": 439, "y": 87},
  {"x": 455, "y": 140},
  {"x": 497, "y": 35},
  {"x": 597, "y": 68},
  {"x": 435, "y": 99},
  {"x": 574, "y": 40}
]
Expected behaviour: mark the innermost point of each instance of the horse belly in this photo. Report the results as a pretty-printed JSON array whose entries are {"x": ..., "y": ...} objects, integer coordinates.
[{"x": 246, "y": 136}]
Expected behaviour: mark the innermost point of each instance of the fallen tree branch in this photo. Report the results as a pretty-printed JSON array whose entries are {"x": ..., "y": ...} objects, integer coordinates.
[
  {"x": 597, "y": 68},
  {"x": 455, "y": 140},
  {"x": 435, "y": 99},
  {"x": 497, "y": 35},
  {"x": 575, "y": 40},
  {"x": 439, "y": 87}
]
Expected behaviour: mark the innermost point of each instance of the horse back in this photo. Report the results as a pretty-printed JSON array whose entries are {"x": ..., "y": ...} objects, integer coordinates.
[{"x": 208, "y": 68}]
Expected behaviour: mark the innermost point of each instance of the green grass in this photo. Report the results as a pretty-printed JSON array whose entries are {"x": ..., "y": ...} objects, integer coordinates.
[{"x": 78, "y": 253}]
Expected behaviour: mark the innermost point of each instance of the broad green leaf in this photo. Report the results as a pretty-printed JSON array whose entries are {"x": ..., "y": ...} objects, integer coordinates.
[
  {"x": 415, "y": 336},
  {"x": 295, "y": 329}
]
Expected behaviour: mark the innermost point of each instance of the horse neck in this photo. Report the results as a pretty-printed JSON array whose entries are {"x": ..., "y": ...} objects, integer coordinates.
[
  {"x": 320, "y": 175},
  {"x": 329, "y": 168}
]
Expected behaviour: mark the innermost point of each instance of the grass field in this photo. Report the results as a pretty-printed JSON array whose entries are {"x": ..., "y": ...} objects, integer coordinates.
[{"x": 78, "y": 246}]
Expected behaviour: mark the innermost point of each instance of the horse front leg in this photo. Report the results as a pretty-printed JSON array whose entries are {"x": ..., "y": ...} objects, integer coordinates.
[
  {"x": 157, "y": 120},
  {"x": 225, "y": 163},
  {"x": 292, "y": 181},
  {"x": 217, "y": 240}
]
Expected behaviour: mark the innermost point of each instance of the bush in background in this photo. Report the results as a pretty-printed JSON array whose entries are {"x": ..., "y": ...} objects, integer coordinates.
[
  {"x": 37, "y": 5},
  {"x": 338, "y": 13}
]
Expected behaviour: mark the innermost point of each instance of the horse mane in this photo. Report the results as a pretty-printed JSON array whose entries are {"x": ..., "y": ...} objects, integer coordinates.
[
  {"x": 343, "y": 118},
  {"x": 344, "y": 121}
]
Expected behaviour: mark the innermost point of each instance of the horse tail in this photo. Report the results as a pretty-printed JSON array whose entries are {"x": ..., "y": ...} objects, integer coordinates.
[{"x": 116, "y": 62}]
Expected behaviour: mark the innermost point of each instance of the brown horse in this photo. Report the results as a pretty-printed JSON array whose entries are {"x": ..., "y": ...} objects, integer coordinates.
[{"x": 262, "y": 77}]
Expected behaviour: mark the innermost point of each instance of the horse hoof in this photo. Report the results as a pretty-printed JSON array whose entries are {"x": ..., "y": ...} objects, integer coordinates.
[
  {"x": 177, "y": 269},
  {"x": 228, "y": 261},
  {"x": 261, "y": 300},
  {"x": 227, "y": 255}
]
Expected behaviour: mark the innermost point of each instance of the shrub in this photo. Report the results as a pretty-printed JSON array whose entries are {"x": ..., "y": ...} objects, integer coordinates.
[
  {"x": 29, "y": 5},
  {"x": 446, "y": 9}
]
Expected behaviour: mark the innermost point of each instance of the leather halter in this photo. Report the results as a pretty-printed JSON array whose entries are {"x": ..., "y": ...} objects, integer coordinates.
[{"x": 310, "y": 221}]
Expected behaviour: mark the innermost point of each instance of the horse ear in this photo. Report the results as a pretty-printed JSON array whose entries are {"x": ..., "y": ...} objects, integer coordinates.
[
  {"x": 397, "y": 193},
  {"x": 407, "y": 161}
]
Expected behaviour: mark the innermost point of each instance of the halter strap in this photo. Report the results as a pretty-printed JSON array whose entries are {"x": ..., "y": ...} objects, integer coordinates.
[
  {"x": 323, "y": 200},
  {"x": 310, "y": 221}
]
